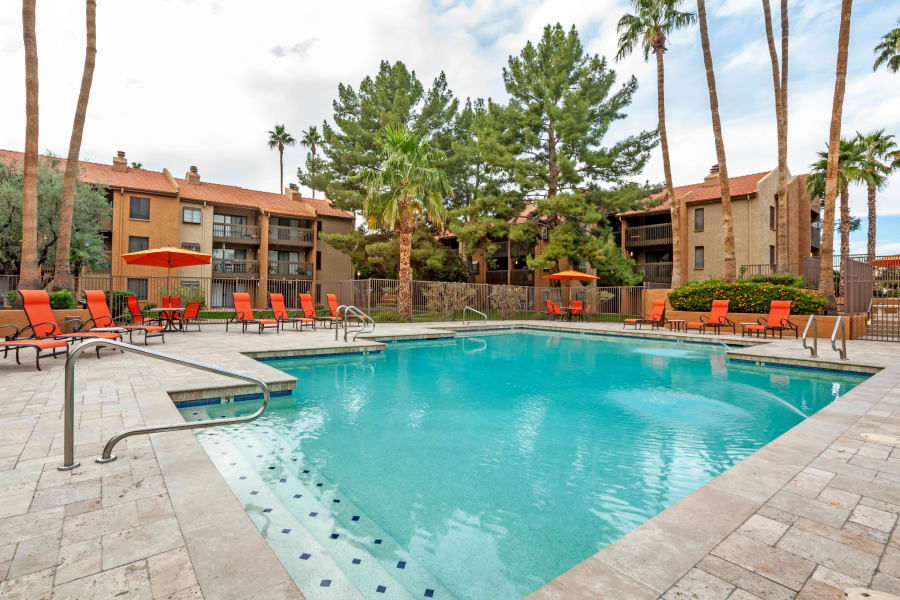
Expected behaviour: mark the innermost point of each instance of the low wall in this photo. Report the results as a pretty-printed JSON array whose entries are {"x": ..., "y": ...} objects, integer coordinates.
[
  {"x": 855, "y": 324},
  {"x": 18, "y": 318}
]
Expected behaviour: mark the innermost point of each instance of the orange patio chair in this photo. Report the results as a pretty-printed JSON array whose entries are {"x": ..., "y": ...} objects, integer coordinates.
[
  {"x": 43, "y": 324},
  {"x": 577, "y": 309},
  {"x": 101, "y": 317},
  {"x": 243, "y": 314},
  {"x": 718, "y": 318},
  {"x": 333, "y": 306},
  {"x": 778, "y": 320},
  {"x": 309, "y": 311},
  {"x": 283, "y": 316},
  {"x": 11, "y": 343},
  {"x": 170, "y": 302},
  {"x": 657, "y": 316},
  {"x": 190, "y": 316},
  {"x": 550, "y": 310}
]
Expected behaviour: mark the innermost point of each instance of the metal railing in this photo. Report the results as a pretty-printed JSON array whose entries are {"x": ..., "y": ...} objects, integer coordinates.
[
  {"x": 648, "y": 235},
  {"x": 814, "y": 351},
  {"x": 292, "y": 236},
  {"x": 232, "y": 232},
  {"x": 477, "y": 312},
  {"x": 234, "y": 265},
  {"x": 69, "y": 461},
  {"x": 660, "y": 272},
  {"x": 346, "y": 311},
  {"x": 839, "y": 324},
  {"x": 290, "y": 268}
]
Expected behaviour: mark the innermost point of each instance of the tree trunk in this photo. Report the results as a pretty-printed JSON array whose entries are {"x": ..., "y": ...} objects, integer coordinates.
[
  {"x": 404, "y": 304},
  {"x": 826, "y": 276},
  {"x": 730, "y": 270},
  {"x": 872, "y": 217},
  {"x": 551, "y": 158},
  {"x": 29, "y": 273},
  {"x": 62, "y": 274},
  {"x": 845, "y": 219},
  {"x": 280, "y": 168},
  {"x": 677, "y": 271}
]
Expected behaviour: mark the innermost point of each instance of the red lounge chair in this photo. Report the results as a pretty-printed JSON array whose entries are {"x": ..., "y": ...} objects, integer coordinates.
[
  {"x": 243, "y": 314},
  {"x": 101, "y": 317},
  {"x": 43, "y": 324},
  {"x": 283, "y": 316},
  {"x": 335, "y": 318},
  {"x": 190, "y": 316},
  {"x": 577, "y": 310},
  {"x": 718, "y": 317},
  {"x": 309, "y": 311},
  {"x": 10, "y": 342},
  {"x": 137, "y": 317},
  {"x": 549, "y": 310},
  {"x": 779, "y": 320},
  {"x": 657, "y": 316},
  {"x": 170, "y": 302}
]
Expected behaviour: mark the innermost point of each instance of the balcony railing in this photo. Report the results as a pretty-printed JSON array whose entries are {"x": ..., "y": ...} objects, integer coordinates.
[
  {"x": 233, "y": 266},
  {"x": 647, "y": 235},
  {"x": 235, "y": 232},
  {"x": 516, "y": 277},
  {"x": 291, "y": 236},
  {"x": 290, "y": 269},
  {"x": 660, "y": 272}
]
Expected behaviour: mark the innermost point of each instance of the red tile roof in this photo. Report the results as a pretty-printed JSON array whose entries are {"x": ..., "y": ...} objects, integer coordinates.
[
  {"x": 231, "y": 195},
  {"x": 738, "y": 186}
]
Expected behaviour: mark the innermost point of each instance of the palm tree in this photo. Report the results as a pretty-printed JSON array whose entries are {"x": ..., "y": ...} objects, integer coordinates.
[
  {"x": 279, "y": 138},
  {"x": 848, "y": 171},
  {"x": 730, "y": 270},
  {"x": 780, "y": 82},
  {"x": 62, "y": 273},
  {"x": 878, "y": 158},
  {"x": 311, "y": 139},
  {"x": 887, "y": 52},
  {"x": 29, "y": 273},
  {"x": 650, "y": 26},
  {"x": 405, "y": 185}
]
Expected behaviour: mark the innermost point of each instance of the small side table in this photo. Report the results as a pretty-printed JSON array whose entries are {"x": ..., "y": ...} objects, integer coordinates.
[{"x": 678, "y": 325}]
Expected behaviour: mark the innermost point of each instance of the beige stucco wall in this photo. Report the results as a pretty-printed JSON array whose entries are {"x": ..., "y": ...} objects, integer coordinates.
[
  {"x": 336, "y": 265},
  {"x": 196, "y": 234}
]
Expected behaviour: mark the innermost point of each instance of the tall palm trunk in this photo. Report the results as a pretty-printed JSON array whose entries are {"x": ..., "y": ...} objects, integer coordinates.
[
  {"x": 870, "y": 246},
  {"x": 779, "y": 82},
  {"x": 280, "y": 168},
  {"x": 404, "y": 305},
  {"x": 826, "y": 277},
  {"x": 29, "y": 273},
  {"x": 62, "y": 274},
  {"x": 845, "y": 232},
  {"x": 730, "y": 271},
  {"x": 677, "y": 271}
]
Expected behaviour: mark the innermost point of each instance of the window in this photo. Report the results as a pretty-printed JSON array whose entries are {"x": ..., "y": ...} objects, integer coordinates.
[
  {"x": 771, "y": 255},
  {"x": 318, "y": 261},
  {"x": 138, "y": 287},
  {"x": 698, "y": 219},
  {"x": 771, "y": 217},
  {"x": 140, "y": 208},
  {"x": 232, "y": 226},
  {"x": 318, "y": 225},
  {"x": 191, "y": 215},
  {"x": 475, "y": 267},
  {"x": 698, "y": 257},
  {"x": 190, "y": 246},
  {"x": 137, "y": 243}
]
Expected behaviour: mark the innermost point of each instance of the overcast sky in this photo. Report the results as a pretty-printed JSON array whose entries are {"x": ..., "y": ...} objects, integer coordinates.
[{"x": 200, "y": 82}]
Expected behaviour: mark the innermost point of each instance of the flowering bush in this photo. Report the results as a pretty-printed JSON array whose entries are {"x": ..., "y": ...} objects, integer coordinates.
[{"x": 744, "y": 297}]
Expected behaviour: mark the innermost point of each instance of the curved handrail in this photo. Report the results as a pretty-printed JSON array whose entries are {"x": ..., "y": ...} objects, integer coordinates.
[
  {"x": 814, "y": 351},
  {"x": 840, "y": 324},
  {"x": 69, "y": 461},
  {"x": 366, "y": 319},
  {"x": 484, "y": 316}
]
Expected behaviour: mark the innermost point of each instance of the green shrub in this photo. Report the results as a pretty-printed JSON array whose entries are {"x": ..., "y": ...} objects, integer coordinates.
[
  {"x": 386, "y": 316},
  {"x": 788, "y": 279},
  {"x": 62, "y": 300},
  {"x": 744, "y": 297},
  {"x": 187, "y": 293},
  {"x": 11, "y": 297}
]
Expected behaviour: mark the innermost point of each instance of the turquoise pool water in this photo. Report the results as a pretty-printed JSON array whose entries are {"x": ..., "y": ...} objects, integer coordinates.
[{"x": 485, "y": 466}]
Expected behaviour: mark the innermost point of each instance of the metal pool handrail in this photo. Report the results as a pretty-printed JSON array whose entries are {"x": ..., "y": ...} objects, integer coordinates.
[
  {"x": 814, "y": 351},
  {"x": 840, "y": 324},
  {"x": 484, "y": 316},
  {"x": 69, "y": 461},
  {"x": 366, "y": 319}
]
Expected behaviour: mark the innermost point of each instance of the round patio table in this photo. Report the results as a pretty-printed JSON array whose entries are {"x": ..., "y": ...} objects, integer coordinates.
[{"x": 168, "y": 314}]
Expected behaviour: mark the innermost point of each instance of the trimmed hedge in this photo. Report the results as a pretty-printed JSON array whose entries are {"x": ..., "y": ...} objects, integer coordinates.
[
  {"x": 788, "y": 279},
  {"x": 744, "y": 297},
  {"x": 62, "y": 300}
]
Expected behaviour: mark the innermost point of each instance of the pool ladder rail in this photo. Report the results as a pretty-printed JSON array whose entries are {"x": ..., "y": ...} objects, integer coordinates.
[
  {"x": 69, "y": 461},
  {"x": 477, "y": 312},
  {"x": 347, "y": 311},
  {"x": 838, "y": 325}
]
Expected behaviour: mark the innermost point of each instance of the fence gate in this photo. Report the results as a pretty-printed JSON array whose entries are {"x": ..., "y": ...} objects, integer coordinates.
[{"x": 883, "y": 305}]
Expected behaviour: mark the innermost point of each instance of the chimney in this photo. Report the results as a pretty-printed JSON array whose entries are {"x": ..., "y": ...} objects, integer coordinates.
[
  {"x": 713, "y": 177},
  {"x": 293, "y": 192},
  {"x": 119, "y": 162},
  {"x": 192, "y": 176}
]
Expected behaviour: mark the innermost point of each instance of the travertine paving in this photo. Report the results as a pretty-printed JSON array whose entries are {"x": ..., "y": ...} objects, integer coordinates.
[{"x": 810, "y": 514}]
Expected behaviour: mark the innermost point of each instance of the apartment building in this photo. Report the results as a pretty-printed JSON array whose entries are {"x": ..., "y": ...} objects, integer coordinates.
[
  {"x": 259, "y": 241},
  {"x": 646, "y": 235}
]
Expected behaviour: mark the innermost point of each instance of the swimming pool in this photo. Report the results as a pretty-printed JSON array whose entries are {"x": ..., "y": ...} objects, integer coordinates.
[{"x": 485, "y": 466}]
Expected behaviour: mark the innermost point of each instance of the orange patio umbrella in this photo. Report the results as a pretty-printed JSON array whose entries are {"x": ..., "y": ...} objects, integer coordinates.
[
  {"x": 570, "y": 275},
  {"x": 167, "y": 257},
  {"x": 887, "y": 261}
]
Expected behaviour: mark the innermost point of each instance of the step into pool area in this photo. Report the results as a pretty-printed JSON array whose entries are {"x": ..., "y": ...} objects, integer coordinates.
[{"x": 488, "y": 464}]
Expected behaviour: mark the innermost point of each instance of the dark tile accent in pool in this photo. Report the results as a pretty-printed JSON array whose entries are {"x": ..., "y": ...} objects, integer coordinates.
[
  {"x": 377, "y": 541},
  {"x": 298, "y": 495},
  {"x": 322, "y": 355},
  {"x": 305, "y": 556},
  {"x": 335, "y": 536},
  {"x": 429, "y": 593},
  {"x": 314, "y": 514},
  {"x": 239, "y": 398},
  {"x": 285, "y": 530},
  {"x": 401, "y": 565},
  {"x": 267, "y": 510},
  {"x": 325, "y": 583},
  {"x": 356, "y": 561},
  {"x": 770, "y": 363},
  {"x": 355, "y": 518},
  {"x": 381, "y": 589}
]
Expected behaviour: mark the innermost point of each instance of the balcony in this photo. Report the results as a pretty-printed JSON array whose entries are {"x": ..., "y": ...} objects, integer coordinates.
[
  {"x": 105, "y": 225},
  {"x": 283, "y": 269},
  {"x": 516, "y": 277},
  {"x": 291, "y": 236},
  {"x": 660, "y": 272},
  {"x": 647, "y": 235},
  {"x": 236, "y": 233},
  {"x": 232, "y": 267}
]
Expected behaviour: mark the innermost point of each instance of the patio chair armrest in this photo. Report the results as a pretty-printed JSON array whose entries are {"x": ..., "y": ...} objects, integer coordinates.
[
  {"x": 704, "y": 318},
  {"x": 787, "y": 323},
  {"x": 727, "y": 321},
  {"x": 11, "y": 336},
  {"x": 55, "y": 330},
  {"x": 759, "y": 321},
  {"x": 122, "y": 317}
]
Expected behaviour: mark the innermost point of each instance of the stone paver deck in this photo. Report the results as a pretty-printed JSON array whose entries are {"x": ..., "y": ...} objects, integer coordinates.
[{"x": 808, "y": 515}]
